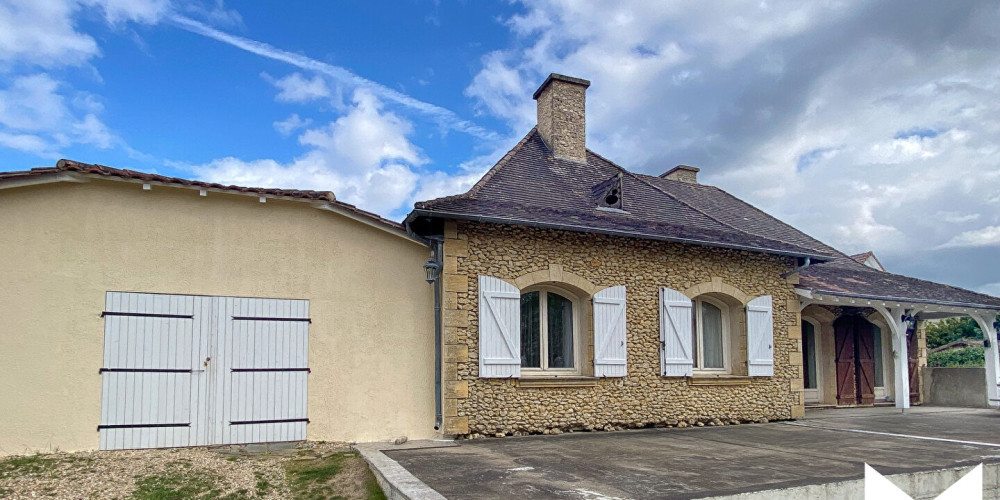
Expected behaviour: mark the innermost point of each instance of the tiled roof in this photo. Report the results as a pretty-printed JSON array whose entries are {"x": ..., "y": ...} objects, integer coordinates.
[
  {"x": 88, "y": 169},
  {"x": 848, "y": 278},
  {"x": 530, "y": 186}
]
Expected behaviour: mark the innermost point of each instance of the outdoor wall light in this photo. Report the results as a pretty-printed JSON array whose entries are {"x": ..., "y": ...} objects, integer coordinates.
[{"x": 431, "y": 270}]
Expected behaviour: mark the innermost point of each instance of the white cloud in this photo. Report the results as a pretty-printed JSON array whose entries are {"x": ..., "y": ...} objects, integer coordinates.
[
  {"x": 215, "y": 13},
  {"x": 138, "y": 11},
  {"x": 987, "y": 236},
  {"x": 297, "y": 88},
  {"x": 445, "y": 117},
  {"x": 955, "y": 217},
  {"x": 291, "y": 124},
  {"x": 39, "y": 113},
  {"x": 29, "y": 143},
  {"x": 500, "y": 89},
  {"x": 365, "y": 157},
  {"x": 36, "y": 117},
  {"x": 43, "y": 33}
]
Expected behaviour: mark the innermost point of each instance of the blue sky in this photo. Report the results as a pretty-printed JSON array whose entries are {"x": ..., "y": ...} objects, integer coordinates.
[{"x": 868, "y": 124}]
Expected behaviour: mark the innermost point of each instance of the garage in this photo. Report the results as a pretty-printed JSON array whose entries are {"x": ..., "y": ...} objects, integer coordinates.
[
  {"x": 198, "y": 314},
  {"x": 185, "y": 370}
]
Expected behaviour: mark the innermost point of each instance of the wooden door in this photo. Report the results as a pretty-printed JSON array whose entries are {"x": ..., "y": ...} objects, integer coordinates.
[
  {"x": 845, "y": 359},
  {"x": 189, "y": 370},
  {"x": 912, "y": 360},
  {"x": 261, "y": 370},
  {"x": 865, "y": 347},
  {"x": 153, "y": 387}
]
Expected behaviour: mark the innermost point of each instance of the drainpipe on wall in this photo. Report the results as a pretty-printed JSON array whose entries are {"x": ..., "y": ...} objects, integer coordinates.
[
  {"x": 436, "y": 243},
  {"x": 437, "y": 247},
  {"x": 806, "y": 264}
]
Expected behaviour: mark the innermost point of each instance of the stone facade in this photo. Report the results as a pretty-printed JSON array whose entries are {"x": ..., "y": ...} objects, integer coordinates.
[{"x": 586, "y": 263}]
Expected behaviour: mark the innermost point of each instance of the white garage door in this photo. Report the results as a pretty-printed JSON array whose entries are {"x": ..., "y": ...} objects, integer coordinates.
[{"x": 183, "y": 370}]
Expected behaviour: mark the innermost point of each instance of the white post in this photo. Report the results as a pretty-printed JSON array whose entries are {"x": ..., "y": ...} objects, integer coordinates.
[
  {"x": 985, "y": 321},
  {"x": 901, "y": 366}
]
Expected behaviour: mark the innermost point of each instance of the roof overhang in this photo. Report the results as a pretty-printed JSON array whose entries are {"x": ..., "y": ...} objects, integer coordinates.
[
  {"x": 928, "y": 308},
  {"x": 337, "y": 207},
  {"x": 419, "y": 212}
]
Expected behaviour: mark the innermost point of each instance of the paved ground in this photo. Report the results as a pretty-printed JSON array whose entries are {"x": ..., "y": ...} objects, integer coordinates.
[{"x": 697, "y": 462}]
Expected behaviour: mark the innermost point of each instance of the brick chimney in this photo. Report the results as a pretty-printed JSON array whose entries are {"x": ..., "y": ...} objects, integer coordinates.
[
  {"x": 562, "y": 120},
  {"x": 682, "y": 173}
]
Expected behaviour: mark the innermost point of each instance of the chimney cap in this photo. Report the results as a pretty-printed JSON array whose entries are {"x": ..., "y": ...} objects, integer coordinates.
[
  {"x": 681, "y": 167},
  {"x": 682, "y": 173},
  {"x": 562, "y": 78}
]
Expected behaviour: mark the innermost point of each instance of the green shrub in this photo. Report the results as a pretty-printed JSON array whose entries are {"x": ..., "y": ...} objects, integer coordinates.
[{"x": 959, "y": 357}]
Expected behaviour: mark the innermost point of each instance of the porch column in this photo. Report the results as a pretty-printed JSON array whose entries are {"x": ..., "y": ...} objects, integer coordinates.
[
  {"x": 985, "y": 321},
  {"x": 894, "y": 318}
]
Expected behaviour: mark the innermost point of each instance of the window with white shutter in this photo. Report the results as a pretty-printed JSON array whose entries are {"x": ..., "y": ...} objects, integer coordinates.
[
  {"x": 499, "y": 328},
  {"x": 760, "y": 337},
  {"x": 610, "y": 349},
  {"x": 675, "y": 334}
]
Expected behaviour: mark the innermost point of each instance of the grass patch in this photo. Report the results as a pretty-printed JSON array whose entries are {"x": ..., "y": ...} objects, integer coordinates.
[
  {"x": 372, "y": 488},
  {"x": 181, "y": 485},
  {"x": 263, "y": 486},
  {"x": 336, "y": 476},
  {"x": 37, "y": 464}
]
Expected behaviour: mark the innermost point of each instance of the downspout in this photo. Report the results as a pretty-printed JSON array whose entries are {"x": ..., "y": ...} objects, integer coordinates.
[
  {"x": 437, "y": 247},
  {"x": 808, "y": 261},
  {"x": 436, "y": 243}
]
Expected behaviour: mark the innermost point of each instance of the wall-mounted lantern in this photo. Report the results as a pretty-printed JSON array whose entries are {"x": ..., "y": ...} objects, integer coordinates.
[{"x": 431, "y": 270}]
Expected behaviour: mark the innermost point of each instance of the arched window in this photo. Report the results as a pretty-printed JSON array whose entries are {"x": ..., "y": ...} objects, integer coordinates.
[
  {"x": 710, "y": 333},
  {"x": 549, "y": 331}
]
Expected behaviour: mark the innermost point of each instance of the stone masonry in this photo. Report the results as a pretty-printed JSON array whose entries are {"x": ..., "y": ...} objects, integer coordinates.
[
  {"x": 587, "y": 263},
  {"x": 562, "y": 116}
]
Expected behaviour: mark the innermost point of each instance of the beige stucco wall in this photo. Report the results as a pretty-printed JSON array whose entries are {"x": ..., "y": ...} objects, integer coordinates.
[
  {"x": 587, "y": 263},
  {"x": 62, "y": 246}
]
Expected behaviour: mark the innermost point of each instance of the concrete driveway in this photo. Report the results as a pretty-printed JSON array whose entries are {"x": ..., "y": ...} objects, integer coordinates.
[{"x": 827, "y": 446}]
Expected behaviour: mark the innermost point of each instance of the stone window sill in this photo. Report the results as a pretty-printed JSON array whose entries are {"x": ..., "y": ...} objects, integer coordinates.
[
  {"x": 719, "y": 380},
  {"x": 573, "y": 381}
]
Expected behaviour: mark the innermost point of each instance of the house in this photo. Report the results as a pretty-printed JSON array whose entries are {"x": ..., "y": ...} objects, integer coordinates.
[
  {"x": 579, "y": 295},
  {"x": 147, "y": 311},
  {"x": 566, "y": 293}
]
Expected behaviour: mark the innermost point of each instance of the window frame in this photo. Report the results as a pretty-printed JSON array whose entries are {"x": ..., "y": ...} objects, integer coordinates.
[
  {"x": 543, "y": 326},
  {"x": 814, "y": 396},
  {"x": 698, "y": 357}
]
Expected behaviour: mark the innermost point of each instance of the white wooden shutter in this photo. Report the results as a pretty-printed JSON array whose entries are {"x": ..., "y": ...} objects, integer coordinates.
[
  {"x": 499, "y": 328},
  {"x": 609, "y": 333},
  {"x": 760, "y": 337},
  {"x": 676, "y": 358}
]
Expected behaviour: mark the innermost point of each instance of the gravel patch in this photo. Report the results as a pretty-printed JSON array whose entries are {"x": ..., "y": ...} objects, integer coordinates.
[{"x": 220, "y": 473}]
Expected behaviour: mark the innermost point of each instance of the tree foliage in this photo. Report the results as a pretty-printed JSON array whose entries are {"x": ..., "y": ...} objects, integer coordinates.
[{"x": 948, "y": 330}]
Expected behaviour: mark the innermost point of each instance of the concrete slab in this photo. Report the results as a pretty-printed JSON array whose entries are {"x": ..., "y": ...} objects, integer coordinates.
[
  {"x": 709, "y": 461},
  {"x": 398, "y": 483}
]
